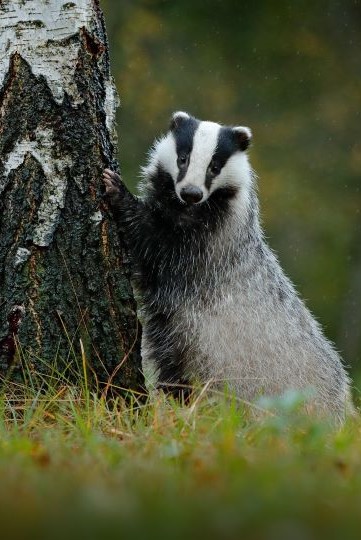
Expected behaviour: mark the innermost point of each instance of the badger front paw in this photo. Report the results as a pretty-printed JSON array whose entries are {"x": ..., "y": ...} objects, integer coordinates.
[
  {"x": 113, "y": 183},
  {"x": 115, "y": 190}
]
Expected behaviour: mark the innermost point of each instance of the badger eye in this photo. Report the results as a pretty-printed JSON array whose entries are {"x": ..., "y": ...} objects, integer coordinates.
[
  {"x": 214, "y": 168},
  {"x": 182, "y": 160}
]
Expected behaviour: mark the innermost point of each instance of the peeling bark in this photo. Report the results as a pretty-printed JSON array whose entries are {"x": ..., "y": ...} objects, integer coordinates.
[{"x": 64, "y": 275}]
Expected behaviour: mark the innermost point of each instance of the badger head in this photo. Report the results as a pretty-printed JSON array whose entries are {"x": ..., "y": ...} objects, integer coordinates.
[{"x": 202, "y": 159}]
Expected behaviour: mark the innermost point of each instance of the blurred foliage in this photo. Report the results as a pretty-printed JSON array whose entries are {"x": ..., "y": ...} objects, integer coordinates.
[{"x": 292, "y": 72}]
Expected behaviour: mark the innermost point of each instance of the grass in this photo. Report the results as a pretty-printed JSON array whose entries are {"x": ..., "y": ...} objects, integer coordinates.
[{"x": 74, "y": 466}]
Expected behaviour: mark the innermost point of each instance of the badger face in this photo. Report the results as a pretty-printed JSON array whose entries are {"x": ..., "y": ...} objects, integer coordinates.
[{"x": 203, "y": 157}]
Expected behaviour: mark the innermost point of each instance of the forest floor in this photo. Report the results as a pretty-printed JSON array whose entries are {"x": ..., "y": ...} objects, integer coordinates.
[{"x": 74, "y": 466}]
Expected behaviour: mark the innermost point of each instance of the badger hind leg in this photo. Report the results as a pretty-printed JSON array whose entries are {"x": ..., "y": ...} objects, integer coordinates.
[
  {"x": 164, "y": 349},
  {"x": 172, "y": 380}
]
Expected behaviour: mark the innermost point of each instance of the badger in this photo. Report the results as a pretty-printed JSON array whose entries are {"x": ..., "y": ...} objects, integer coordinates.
[{"x": 216, "y": 305}]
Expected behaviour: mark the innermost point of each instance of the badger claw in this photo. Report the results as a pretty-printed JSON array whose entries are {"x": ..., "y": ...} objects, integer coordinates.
[
  {"x": 112, "y": 182},
  {"x": 114, "y": 187}
]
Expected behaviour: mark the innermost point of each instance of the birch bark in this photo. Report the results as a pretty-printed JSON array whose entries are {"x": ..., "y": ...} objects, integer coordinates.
[{"x": 64, "y": 275}]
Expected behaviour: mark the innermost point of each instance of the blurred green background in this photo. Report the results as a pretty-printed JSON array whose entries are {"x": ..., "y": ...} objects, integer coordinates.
[{"x": 292, "y": 72}]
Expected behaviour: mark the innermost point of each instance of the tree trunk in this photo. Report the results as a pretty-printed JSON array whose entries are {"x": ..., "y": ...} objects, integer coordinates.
[{"x": 64, "y": 275}]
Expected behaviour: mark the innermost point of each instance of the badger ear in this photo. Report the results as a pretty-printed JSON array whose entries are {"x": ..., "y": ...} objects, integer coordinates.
[
  {"x": 177, "y": 119},
  {"x": 243, "y": 136}
]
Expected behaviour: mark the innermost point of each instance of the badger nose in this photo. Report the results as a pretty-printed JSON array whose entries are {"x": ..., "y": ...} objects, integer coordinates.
[{"x": 191, "y": 194}]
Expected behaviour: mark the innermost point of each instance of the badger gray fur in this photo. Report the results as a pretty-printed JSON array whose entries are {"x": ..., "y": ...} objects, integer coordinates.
[{"x": 216, "y": 303}]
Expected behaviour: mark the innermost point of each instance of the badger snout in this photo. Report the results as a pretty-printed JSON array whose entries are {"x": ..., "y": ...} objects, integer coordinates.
[{"x": 191, "y": 194}]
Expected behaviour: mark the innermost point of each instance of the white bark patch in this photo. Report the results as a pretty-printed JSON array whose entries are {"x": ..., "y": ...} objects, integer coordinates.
[
  {"x": 43, "y": 149},
  {"x": 35, "y": 29},
  {"x": 97, "y": 217},
  {"x": 110, "y": 107},
  {"x": 21, "y": 256}
]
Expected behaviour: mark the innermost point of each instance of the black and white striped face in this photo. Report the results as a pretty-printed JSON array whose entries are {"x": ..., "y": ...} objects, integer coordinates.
[{"x": 202, "y": 157}]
